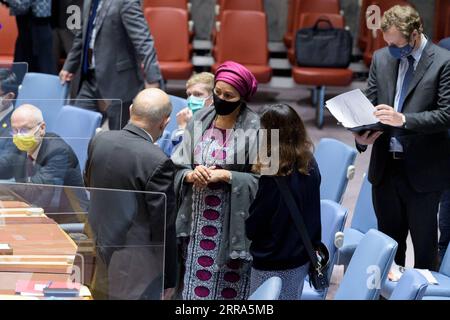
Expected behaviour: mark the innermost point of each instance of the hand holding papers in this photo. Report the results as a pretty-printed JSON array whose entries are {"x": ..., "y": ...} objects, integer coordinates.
[{"x": 354, "y": 111}]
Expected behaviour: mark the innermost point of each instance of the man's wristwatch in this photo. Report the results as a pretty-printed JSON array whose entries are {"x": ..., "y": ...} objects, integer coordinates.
[{"x": 404, "y": 121}]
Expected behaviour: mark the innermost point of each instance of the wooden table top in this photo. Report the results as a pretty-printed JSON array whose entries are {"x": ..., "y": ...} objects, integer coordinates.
[{"x": 42, "y": 251}]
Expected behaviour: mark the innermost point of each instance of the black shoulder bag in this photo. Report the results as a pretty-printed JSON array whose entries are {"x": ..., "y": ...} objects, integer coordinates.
[
  {"x": 319, "y": 256},
  {"x": 323, "y": 47}
]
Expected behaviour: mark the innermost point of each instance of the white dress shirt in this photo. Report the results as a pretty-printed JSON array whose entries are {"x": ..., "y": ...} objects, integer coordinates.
[{"x": 395, "y": 145}]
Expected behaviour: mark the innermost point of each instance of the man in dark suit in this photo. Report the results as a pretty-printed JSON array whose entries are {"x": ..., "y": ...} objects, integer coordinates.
[
  {"x": 409, "y": 83},
  {"x": 112, "y": 48},
  {"x": 131, "y": 227},
  {"x": 42, "y": 158},
  {"x": 8, "y": 92}
]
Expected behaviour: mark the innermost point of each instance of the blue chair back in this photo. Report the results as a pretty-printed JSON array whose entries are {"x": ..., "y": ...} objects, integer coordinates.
[
  {"x": 269, "y": 290},
  {"x": 364, "y": 217},
  {"x": 368, "y": 268},
  {"x": 445, "y": 263},
  {"x": 178, "y": 104},
  {"x": 77, "y": 126},
  {"x": 333, "y": 217},
  {"x": 45, "y": 92},
  {"x": 411, "y": 286},
  {"x": 334, "y": 158}
]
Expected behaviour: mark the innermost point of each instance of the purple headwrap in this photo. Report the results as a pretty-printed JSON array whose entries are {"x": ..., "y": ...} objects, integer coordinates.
[{"x": 239, "y": 77}]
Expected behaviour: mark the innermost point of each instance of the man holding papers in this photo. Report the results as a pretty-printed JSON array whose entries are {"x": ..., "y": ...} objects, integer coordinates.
[{"x": 409, "y": 85}]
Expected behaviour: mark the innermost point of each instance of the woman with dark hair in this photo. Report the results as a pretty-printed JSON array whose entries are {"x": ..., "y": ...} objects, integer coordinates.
[
  {"x": 215, "y": 187},
  {"x": 277, "y": 247}
]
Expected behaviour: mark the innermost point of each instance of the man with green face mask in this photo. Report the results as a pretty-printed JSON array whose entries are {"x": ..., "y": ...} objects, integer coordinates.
[
  {"x": 41, "y": 158},
  {"x": 199, "y": 92}
]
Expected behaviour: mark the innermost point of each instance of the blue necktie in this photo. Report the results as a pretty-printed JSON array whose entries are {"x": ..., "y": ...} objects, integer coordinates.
[
  {"x": 395, "y": 145},
  {"x": 406, "y": 82},
  {"x": 89, "y": 30}
]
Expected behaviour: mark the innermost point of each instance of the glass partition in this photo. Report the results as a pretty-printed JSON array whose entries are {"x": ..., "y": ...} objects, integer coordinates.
[{"x": 91, "y": 244}]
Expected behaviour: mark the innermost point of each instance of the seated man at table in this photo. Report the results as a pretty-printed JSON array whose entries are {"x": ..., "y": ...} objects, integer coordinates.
[{"x": 42, "y": 158}]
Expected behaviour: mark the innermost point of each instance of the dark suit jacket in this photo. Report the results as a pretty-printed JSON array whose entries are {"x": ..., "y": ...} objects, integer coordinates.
[
  {"x": 5, "y": 135},
  {"x": 425, "y": 141},
  {"x": 123, "y": 42},
  {"x": 130, "y": 228},
  {"x": 276, "y": 242},
  {"x": 56, "y": 165}
]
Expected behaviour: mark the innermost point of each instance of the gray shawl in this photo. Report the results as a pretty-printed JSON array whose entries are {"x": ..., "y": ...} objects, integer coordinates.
[{"x": 234, "y": 243}]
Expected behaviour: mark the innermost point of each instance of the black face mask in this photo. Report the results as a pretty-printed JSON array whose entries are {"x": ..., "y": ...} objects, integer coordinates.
[{"x": 223, "y": 107}]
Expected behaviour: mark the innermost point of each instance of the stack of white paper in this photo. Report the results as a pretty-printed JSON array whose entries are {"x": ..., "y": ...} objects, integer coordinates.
[{"x": 352, "y": 109}]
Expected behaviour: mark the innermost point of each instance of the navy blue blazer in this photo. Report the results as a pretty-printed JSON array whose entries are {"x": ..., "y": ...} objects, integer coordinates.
[{"x": 276, "y": 242}]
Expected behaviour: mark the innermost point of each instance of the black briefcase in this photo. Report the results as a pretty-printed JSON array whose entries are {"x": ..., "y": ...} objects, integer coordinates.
[{"x": 323, "y": 47}]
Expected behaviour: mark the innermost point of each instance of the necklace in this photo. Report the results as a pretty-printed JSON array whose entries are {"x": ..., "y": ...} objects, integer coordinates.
[{"x": 211, "y": 157}]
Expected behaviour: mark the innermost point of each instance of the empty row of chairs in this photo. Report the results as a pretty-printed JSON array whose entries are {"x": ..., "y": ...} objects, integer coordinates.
[{"x": 172, "y": 44}]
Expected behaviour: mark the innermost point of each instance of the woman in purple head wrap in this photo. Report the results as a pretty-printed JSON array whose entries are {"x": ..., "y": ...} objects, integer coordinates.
[{"x": 215, "y": 187}]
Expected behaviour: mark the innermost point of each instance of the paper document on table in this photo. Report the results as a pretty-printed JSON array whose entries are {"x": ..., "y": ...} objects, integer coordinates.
[{"x": 352, "y": 109}]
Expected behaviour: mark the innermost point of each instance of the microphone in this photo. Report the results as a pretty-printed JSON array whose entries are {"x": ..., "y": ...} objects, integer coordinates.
[{"x": 339, "y": 239}]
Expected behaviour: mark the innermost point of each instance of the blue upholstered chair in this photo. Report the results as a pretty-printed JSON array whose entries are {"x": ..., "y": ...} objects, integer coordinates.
[
  {"x": 44, "y": 91},
  {"x": 442, "y": 289},
  {"x": 368, "y": 268},
  {"x": 363, "y": 220},
  {"x": 333, "y": 217},
  {"x": 269, "y": 290},
  {"x": 335, "y": 160},
  {"x": 411, "y": 286},
  {"x": 77, "y": 126}
]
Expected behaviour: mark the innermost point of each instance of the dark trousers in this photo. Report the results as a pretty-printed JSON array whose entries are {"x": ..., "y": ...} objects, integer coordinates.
[
  {"x": 399, "y": 209},
  {"x": 444, "y": 223},
  {"x": 89, "y": 97},
  {"x": 34, "y": 44}
]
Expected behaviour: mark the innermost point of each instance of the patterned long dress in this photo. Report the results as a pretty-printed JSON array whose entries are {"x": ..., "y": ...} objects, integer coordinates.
[{"x": 203, "y": 278}]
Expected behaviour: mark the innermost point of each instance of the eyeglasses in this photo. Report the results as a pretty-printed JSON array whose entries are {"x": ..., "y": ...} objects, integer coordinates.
[{"x": 25, "y": 131}]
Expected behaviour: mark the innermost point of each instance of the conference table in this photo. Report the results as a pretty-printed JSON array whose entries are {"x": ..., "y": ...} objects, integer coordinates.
[{"x": 39, "y": 250}]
